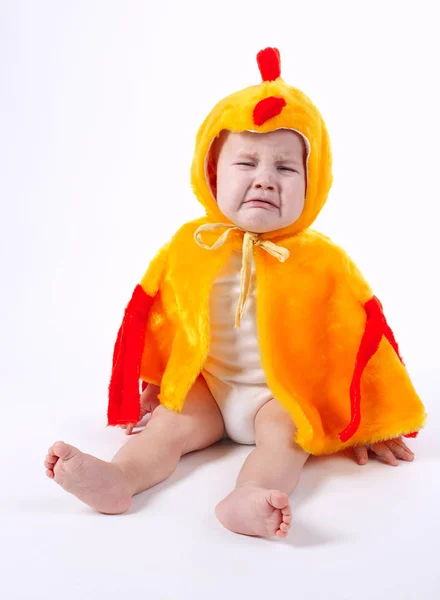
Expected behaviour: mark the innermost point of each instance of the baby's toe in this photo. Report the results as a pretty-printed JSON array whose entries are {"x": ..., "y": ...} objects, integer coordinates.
[
  {"x": 281, "y": 534},
  {"x": 50, "y": 473},
  {"x": 279, "y": 500},
  {"x": 63, "y": 450},
  {"x": 284, "y": 527}
]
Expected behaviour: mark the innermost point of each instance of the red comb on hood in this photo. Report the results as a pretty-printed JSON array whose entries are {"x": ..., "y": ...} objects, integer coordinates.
[{"x": 269, "y": 63}]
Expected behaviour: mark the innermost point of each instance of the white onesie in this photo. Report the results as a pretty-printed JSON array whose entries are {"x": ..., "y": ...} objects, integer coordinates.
[{"x": 233, "y": 370}]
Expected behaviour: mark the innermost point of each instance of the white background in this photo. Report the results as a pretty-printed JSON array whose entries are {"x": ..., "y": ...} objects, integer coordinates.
[{"x": 100, "y": 102}]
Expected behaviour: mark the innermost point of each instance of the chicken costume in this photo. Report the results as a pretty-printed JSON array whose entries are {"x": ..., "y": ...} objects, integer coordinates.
[{"x": 328, "y": 353}]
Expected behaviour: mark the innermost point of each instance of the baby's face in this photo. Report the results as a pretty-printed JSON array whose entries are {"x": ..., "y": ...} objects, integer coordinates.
[{"x": 261, "y": 179}]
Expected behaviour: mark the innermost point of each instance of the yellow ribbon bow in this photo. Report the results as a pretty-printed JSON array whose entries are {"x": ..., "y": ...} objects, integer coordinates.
[{"x": 249, "y": 241}]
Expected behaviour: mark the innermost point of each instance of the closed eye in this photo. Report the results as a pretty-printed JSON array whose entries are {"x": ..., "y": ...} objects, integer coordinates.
[{"x": 246, "y": 164}]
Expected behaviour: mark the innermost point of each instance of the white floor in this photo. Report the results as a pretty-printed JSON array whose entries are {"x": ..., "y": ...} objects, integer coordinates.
[{"x": 358, "y": 532}]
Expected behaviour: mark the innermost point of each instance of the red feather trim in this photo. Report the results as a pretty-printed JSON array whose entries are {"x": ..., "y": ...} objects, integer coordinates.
[
  {"x": 375, "y": 327},
  {"x": 268, "y": 108},
  {"x": 269, "y": 63},
  {"x": 124, "y": 395}
]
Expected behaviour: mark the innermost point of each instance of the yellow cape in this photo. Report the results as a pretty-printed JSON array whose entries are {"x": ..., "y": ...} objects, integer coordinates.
[{"x": 326, "y": 348}]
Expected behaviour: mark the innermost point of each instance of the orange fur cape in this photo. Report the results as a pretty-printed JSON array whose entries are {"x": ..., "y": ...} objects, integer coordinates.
[{"x": 327, "y": 350}]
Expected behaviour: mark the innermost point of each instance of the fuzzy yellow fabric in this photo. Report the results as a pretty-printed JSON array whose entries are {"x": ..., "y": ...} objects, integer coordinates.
[{"x": 310, "y": 308}]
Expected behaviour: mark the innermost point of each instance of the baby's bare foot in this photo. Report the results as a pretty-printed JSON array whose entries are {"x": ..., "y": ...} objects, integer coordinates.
[
  {"x": 99, "y": 484},
  {"x": 256, "y": 511}
]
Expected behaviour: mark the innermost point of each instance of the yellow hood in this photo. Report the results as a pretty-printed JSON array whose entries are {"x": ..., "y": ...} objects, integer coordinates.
[{"x": 255, "y": 109}]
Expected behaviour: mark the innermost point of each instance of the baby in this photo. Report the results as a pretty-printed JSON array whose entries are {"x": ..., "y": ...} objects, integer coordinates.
[{"x": 260, "y": 183}]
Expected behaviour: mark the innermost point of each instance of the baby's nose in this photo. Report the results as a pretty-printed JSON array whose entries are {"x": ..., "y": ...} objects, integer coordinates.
[
  {"x": 263, "y": 183},
  {"x": 264, "y": 178}
]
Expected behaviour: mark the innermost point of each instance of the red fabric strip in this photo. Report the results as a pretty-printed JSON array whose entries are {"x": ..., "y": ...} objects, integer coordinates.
[
  {"x": 123, "y": 406},
  {"x": 369, "y": 344}
]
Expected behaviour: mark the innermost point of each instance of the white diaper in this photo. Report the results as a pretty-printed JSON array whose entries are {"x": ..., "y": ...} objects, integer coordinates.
[
  {"x": 233, "y": 370},
  {"x": 239, "y": 404}
]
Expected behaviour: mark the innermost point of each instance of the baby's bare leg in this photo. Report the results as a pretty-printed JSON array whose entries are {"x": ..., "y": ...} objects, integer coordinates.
[
  {"x": 152, "y": 456},
  {"x": 145, "y": 460},
  {"x": 259, "y": 505}
]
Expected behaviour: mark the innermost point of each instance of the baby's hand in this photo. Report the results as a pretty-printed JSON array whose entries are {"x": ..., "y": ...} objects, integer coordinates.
[
  {"x": 388, "y": 451},
  {"x": 148, "y": 401}
]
